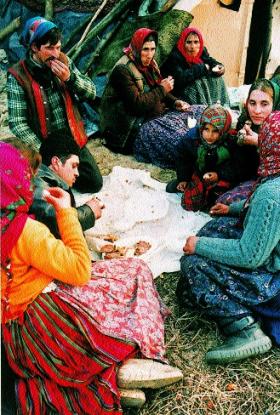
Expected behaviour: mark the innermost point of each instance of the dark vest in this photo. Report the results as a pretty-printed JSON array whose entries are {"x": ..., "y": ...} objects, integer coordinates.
[{"x": 38, "y": 107}]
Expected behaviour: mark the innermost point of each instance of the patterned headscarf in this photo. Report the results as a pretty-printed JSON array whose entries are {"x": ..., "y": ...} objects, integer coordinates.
[
  {"x": 16, "y": 196},
  {"x": 35, "y": 28},
  {"x": 269, "y": 146},
  {"x": 181, "y": 45},
  {"x": 133, "y": 51},
  {"x": 217, "y": 116}
]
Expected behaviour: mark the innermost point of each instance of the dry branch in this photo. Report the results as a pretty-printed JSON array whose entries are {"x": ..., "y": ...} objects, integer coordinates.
[
  {"x": 49, "y": 9},
  {"x": 114, "y": 14},
  {"x": 10, "y": 28},
  {"x": 98, "y": 11},
  {"x": 101, "y": 45}
]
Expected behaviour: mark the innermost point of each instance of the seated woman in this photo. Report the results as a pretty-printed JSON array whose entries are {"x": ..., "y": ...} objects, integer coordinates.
[
  {"x": 263, "y": 98},
  {"x": 198, "y": 76},
  {"x": 232, "y": 272},
  {"x": 67, "y": 325},
  {"x": 134, "y": 116}
]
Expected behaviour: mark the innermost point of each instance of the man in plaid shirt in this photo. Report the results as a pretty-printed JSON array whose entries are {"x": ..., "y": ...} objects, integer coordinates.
[{"x": 43, "y": 90}]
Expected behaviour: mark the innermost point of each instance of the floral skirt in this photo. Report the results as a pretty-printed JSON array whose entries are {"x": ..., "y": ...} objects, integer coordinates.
[
  {"x": 69, "y": 343},
  {"x": 223, "y": 291},
  {"x": 238, "y": 193},
  {"x": 157, "y": 139}
]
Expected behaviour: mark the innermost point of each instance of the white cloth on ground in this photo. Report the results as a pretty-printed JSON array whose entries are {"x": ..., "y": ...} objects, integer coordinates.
[{"x": 137, "y": 207}]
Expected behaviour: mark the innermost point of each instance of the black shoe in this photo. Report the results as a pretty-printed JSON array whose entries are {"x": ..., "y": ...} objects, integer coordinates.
[{"x": 171, "y": 187}]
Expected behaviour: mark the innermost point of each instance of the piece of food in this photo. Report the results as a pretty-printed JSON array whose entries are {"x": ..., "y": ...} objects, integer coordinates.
[
  {"x": 141, "y": 247},
  {"x": 110, "y": 237},
  {"x": 107, "y": 248}
]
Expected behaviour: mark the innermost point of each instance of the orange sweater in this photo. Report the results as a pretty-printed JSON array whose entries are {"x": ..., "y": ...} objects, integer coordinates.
[{"x": 38, "y": 258}]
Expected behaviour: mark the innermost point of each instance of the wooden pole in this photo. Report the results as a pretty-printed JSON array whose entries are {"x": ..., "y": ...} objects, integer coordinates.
[
  {"x": 114, "y": 14},
  {"x": 78, "y": 27},
  {"x": 101, "y": 45},
  {"x": 168, "y": 5},
  {"x": 10, "y": 28},
  {"x": 49, "y": 10},
  {"x": 98, "y": 11}
]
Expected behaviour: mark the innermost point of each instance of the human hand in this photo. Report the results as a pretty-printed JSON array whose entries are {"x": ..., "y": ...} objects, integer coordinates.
[
  {"x": 218, "y": 70},
  {"x": 181, "y": 186},
  {"x": 61, "y": 70},
  {"x": 251, "y": 138},
  {"x": 167, "y": 84},
  {"x": 96, "y": 206},
  {"x": 181, "y": 105},
  {"x": 59, "y": 198},
  {"x": 219, "y": 209},
  {"x": 189, "y": 247},
  {"x": 210, "y": 177}
]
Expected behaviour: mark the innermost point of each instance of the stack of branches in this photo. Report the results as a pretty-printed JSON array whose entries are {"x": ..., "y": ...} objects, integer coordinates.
[{"x": 105, "y": 33}]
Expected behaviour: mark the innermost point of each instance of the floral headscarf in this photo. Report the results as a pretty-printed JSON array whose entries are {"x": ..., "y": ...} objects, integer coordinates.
[
  {"x": 217, "y": 116},
  {"x": 269, "y": 145},
  {"x": 16, "y": 196},
  {"x": 133, "y": 51},
  {"x": 181, "y": 45}
]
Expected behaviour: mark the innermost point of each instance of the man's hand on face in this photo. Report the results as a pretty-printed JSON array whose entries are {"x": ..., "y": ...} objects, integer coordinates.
[{"x": 60, "y": 70}]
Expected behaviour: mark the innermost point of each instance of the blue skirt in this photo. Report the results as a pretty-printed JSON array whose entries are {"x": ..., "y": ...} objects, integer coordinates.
[
  {"x": 224, "y": 291},
  {"x": 157, "y": 139}
]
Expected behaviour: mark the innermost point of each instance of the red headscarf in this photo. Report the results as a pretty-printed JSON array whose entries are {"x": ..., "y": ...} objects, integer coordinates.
[
  {"x": 16, "y": 196},
  {"x": 269, "y": 145},
  {"x": 133, "y": 51},
  {"x": 181, "y": 45}
]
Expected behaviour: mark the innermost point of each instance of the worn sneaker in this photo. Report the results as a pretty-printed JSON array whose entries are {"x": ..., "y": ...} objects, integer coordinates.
[
  {"x": 247, "y": 343},
  {"x": 146, "y": 373}
]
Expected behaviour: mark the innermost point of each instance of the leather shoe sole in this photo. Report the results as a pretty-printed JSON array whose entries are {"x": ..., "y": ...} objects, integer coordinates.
[{"x": 146, "y": 373}]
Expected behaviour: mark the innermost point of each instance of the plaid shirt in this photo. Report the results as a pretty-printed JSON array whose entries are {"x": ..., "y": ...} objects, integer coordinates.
[{"x": 79, "y": 85}]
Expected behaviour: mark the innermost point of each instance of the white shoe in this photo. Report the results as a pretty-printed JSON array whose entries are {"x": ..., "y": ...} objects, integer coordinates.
[
  {"x": 147, "y": 373},
  {"x": 134, "y": 398}
]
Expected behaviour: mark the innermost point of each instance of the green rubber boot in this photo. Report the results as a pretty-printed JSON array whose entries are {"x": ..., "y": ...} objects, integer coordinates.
[{"x": 248, "y": 342}]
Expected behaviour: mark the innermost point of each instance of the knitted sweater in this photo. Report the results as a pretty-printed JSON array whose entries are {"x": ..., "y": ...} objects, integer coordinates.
[
  {"x": 38, "y": 258},
  {"x": 260, "y": 242}
]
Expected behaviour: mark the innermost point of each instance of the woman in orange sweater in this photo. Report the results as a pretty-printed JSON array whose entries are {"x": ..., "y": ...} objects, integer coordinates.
[{"x": 67, "y": 325}]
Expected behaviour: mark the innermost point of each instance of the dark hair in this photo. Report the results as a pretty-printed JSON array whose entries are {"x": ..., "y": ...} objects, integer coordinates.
[
  {"x": 152, "y": 37},
  {"x": 52, "y": 37},
  {"x": 28, "y": 152},
  {"x": 263, "y": 85},
  {"x": 59, "y": 144}
]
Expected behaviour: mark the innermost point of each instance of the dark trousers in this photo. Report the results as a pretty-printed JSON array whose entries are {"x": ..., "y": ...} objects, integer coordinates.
[{"x": 90, "y": 179}]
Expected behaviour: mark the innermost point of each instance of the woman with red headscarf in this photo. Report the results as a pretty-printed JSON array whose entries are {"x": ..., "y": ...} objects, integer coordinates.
[
  {"x": 198, "y": 76},
  {"x": 135, "y": 114}
]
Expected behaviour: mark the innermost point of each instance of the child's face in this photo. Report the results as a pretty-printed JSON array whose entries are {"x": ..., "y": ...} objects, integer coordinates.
[{"x": 210, "y": 133}]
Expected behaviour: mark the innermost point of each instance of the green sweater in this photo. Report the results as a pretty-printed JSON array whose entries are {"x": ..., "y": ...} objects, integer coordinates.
[{"x": 260, "y": 242}]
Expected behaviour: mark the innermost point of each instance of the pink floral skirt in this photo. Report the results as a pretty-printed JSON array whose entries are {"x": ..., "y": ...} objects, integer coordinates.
[{"x": 122, "y": 299}]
